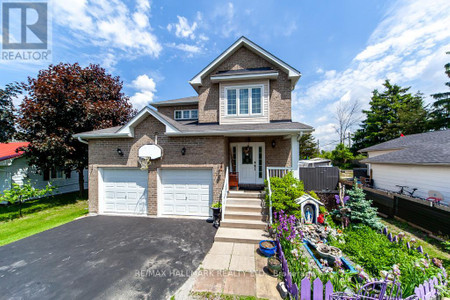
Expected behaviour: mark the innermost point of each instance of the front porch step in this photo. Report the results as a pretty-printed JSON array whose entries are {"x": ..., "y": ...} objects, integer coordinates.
[
  {"x": 244, "y": 194},
  {"x": 242, "y": 215},
  {"x": 247, "y": 224},
  {"x": 239, "y": 235},
  {"x": 243, "y": 208},
  {"x": 244, "y": 201}
]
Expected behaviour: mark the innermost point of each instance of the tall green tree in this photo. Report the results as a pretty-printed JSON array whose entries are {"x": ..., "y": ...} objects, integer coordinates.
[
  {"x": 440, "y": 109},
  {"x": 7, "y": 116},
  {"x": 63, "y": 100},
  {"x": 392, "y": 112},
  {"x": 308, "y": 146}
]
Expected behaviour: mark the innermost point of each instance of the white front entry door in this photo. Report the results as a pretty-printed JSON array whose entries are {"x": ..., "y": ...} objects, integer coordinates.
[
  {"x": 250, "y": 162},
  {"x": 123, "y": 191},
  {"x": 186, "y": 192}
]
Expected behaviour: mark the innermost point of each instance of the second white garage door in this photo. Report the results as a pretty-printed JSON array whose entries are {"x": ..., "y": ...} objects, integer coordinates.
[{"x": 186, "y": 192}]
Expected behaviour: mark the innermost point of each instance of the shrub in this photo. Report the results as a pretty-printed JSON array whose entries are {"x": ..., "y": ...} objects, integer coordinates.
[{"x": 284, "y": 192}]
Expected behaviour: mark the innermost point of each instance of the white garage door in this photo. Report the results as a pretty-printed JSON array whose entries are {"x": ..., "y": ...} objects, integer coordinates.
[
  {"x": 186, "y": 192},
  {"x": 124, "y": 191}
]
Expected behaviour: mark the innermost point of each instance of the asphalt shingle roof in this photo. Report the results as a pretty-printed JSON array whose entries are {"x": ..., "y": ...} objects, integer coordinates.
[
  {"x": 423, "y": 148},
  {"x": 180, "y": 101},
  {"x": 9, "y": 150},
  {"x": 193, "y": 127}
]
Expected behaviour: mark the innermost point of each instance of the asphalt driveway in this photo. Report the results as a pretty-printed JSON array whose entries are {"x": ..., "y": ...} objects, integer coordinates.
[{"x": 105, "y": 257}]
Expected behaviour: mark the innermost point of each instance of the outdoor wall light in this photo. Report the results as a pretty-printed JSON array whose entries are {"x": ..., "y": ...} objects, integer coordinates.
[
  {"x": 274, "y": 143},
  {"x": 119, "y": 151},
  {"x": 183, "y": 151}
]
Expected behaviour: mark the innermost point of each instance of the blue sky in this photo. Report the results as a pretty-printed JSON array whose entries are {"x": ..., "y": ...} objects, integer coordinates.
[{"x": 344, "y": 49}]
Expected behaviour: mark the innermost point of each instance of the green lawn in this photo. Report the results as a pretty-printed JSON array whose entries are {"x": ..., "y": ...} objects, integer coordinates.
[{"x": 40, "y": 215}]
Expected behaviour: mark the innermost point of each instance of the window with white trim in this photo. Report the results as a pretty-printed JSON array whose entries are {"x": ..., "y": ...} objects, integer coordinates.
[
  {"x": 191, "y": 114},
  {"x": 244, "y": 101}
]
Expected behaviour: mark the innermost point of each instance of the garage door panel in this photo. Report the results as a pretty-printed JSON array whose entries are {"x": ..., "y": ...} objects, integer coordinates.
[
  {"x": 125, "y": 191},
  {"x": 186, "y": 192}
]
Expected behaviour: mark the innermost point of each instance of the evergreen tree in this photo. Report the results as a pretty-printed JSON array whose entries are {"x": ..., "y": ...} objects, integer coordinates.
[
  {"x": 440, "y": 110},
  {"x": 392, "y": 112},
  {"x": 7, "y": 117},
  {"x": 308, "y": 147},
  {"x": 362, "y": 210}
]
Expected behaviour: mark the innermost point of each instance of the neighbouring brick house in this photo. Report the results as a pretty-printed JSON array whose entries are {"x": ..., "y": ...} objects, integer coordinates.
[{"x": 239, "y": 125}]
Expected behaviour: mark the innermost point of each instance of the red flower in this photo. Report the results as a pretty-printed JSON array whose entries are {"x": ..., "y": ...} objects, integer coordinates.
[{"x": 321, "y": 219}]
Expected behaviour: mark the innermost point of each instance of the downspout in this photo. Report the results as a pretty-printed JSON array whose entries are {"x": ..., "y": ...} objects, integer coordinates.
[{"x": 83, "y": 141}]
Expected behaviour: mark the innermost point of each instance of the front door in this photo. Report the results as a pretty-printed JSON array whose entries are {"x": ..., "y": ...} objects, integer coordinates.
[{"x": 249, "y": 162}]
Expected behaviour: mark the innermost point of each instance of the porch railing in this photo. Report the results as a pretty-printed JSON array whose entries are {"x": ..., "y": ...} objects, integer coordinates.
[
  {"x": 274, "y": 172},
  {"x": 225, "y": 193}
]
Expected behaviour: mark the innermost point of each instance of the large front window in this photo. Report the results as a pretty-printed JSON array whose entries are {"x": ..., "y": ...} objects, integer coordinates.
[{"x": 244, "y": 101}]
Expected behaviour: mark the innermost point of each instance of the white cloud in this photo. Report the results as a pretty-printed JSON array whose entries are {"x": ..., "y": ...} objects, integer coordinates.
[
  {"x": 191, "y": 49},
  {"x": 183, "y": 29},
  {"x": 228, "y": 25},
  {"x": 110, "y": 24},
  {"x": 406, "y": 47},
  {"x": 143, "y": 5},
  {"x": 146, "y": 93}
]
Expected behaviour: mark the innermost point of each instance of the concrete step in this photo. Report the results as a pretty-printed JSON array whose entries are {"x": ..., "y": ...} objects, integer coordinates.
[
  {"x": 248, "y": 224},
  {"x": 243, "y": 208},
  {"x": 244, "y": 201},
  {"x": 244, "y": 194},
  {"x": 239, "y": 215},
  {"x": 240, "y": 235}
]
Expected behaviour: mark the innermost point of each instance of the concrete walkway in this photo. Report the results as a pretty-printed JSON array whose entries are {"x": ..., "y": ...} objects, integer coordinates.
[{"x": 235, "y": 269}]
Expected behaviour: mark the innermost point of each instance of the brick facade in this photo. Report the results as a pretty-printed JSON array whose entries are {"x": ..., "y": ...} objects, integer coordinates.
[
  {"x": 280, "y": 88},
  {"x": 170, "y": 110},
  {"x": 201, "y": 152}
]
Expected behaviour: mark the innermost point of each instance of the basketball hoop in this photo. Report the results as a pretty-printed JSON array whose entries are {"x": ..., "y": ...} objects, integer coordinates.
[
  {"x": 145, "y": 162},
  {"x": 147, "y": 153}
]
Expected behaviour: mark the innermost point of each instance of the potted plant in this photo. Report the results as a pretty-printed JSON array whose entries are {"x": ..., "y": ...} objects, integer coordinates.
[
  {"x": 217, "y": 213},
  {"x": 274, "y": 265},
  {"x": 267, "y": 248}
]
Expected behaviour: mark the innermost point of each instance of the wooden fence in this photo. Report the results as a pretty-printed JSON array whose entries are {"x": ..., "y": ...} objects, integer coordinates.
[
  {"x": 319, "y": 178},
  {"x": 434, "y": 218}
]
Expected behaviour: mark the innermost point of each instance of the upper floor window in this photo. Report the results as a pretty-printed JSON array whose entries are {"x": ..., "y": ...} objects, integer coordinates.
[
  {"x": 244, "y": 100},
  {"x": 186, "y": 114}
]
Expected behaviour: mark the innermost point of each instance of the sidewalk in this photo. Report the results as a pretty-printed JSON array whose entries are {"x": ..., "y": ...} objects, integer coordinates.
[{"x": 235, "y": 269}]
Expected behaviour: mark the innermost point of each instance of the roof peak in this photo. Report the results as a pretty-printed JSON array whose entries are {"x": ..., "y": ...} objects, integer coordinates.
[{"x": 293, "y": 74}]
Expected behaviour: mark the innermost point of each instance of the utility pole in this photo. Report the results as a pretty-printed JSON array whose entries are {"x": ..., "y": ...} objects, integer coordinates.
[{"x": 349, "y": 140}]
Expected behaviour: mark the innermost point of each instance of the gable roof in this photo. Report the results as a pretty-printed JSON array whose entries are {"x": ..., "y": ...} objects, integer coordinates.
[
  {"x": 293, "y": 74},
  {"x": 8, "y": 150},
  {"x": 127, "y": 130},
  {"x": 430, "y": 148},
  {"x": 181, "y": 101}
]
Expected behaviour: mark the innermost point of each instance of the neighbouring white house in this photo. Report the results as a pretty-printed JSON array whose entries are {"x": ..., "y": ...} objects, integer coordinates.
[
  {"x": 417, "y": 161},
  {"x": 14, "y": 168}
]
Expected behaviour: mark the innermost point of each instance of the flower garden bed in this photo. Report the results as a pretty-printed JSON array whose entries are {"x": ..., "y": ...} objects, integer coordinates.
[{"x": 377, "y": 258}]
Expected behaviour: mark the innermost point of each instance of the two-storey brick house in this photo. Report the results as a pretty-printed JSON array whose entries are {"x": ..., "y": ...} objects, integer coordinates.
[{"x": 239, "y": 125}]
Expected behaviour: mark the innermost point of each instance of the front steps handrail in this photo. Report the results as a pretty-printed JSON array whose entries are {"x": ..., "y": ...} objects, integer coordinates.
[{"x": 225, "y": 193}]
